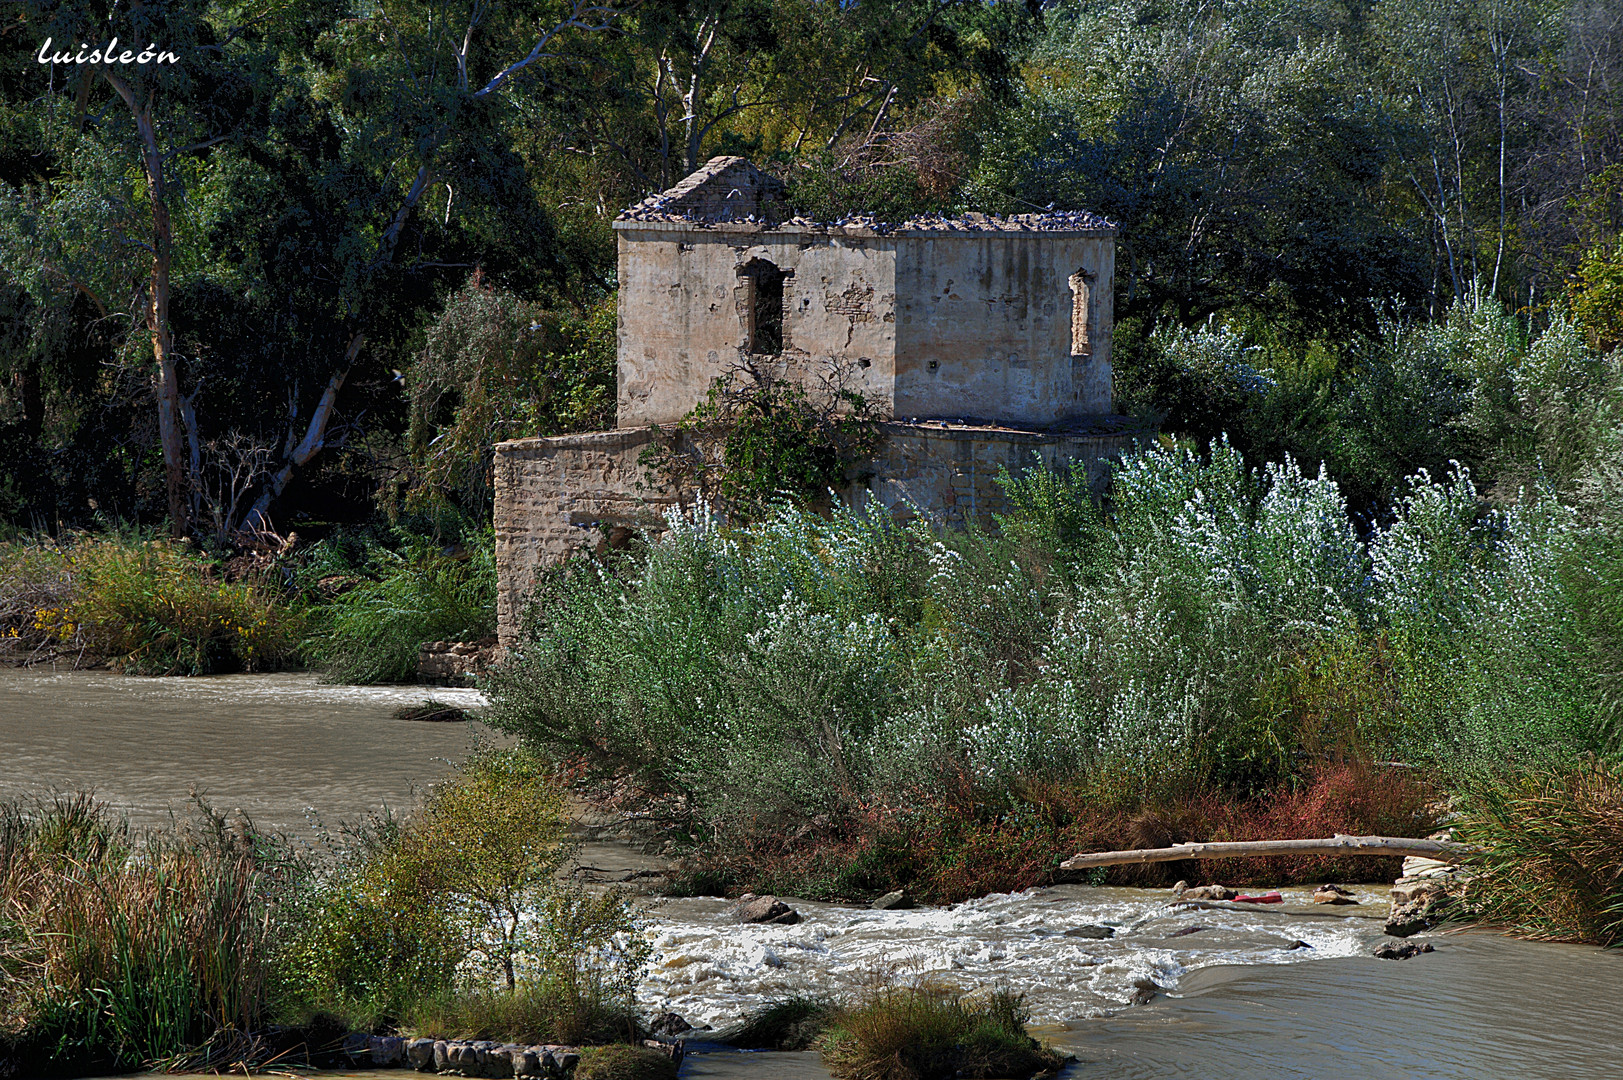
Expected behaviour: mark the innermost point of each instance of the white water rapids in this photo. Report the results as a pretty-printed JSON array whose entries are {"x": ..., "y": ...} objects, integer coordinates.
[{"x": 712, "y": 969}]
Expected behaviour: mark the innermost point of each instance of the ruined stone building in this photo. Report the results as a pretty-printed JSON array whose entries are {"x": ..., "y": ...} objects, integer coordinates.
[{"x": 985, "y": 339}]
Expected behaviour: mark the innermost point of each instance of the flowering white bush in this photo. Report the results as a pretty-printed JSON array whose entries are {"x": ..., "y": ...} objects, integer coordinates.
[{"x": 809, "y": 665}]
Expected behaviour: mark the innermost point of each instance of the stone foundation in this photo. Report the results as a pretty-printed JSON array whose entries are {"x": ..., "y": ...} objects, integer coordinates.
[
  {"x": 558, "y": 495},
  {"x": 455, "y": 663}
]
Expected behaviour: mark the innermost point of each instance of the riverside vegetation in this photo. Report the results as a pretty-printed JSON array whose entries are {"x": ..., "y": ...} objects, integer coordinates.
[
  {"x": 355, "y": 605},
  {"x": 837, "y": 705},
  {"x": 121, "y": 950}
]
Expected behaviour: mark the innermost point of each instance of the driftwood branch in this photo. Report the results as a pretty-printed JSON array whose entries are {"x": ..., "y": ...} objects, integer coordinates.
[{"x": 1339, "y": 844}]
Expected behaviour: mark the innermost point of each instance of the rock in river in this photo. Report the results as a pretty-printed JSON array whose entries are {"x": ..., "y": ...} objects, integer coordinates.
[
  {"x": 1333, "y": 894},
  {"x": 1091, "y": 930},
  {"x": 1207, "y": 892},
  {"x": 766, "y": 909}
]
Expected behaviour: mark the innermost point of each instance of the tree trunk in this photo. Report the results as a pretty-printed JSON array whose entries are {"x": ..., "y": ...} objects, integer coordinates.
[
  {"x": 177, "y": 478},
  {"x": 1339, "y": 844}
]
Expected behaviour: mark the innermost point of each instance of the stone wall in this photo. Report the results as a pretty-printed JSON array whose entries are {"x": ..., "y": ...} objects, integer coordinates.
[
  {"x": 683, "y": 313},
  {"x": 947, "y": 322},
  {"x": 558, "y": 495},
  {"x": 947, "y": 473}
]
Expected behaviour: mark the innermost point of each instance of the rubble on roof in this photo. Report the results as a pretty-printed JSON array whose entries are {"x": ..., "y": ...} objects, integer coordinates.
[{"x": 730, "y": 191}]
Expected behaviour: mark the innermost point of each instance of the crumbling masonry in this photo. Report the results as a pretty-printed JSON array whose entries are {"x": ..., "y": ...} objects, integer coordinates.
[{"x": 986, "y": 339}]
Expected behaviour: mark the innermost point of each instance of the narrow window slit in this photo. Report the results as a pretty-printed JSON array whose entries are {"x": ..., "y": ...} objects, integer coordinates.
[
  {"x": 1081, "y": 322},
  {"x": 763, "y": 307}
]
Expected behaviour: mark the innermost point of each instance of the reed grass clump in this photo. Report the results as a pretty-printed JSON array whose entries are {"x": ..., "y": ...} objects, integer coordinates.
[
  {"x": 120, "y": 948},
  {"x": 424, "y": 591},
  {"x": 1549, "y": 864},
  {"x": 925, "y": 1032}
]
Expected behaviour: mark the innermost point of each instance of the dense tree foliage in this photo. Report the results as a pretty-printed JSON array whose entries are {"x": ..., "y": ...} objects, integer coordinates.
[{"x": 283, "y": 273}]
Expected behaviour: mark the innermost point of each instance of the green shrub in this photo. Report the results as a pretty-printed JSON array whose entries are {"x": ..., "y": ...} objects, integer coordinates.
[
  {"x": 1597, "y": 294},
  {"x": 358, "y": 939},
  {"x": 456, "y": 919},
  {"x": 756, "y": 439},
  {"x": 493, "y": 367},
  {"x": 147, "y": 606},
  {"x": 1222, "y": 626},
  {"x": 929, "y": 1033},
  {"x": 401, "y": 599}
]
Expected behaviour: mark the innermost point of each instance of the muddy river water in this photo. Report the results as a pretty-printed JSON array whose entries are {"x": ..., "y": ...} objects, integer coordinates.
[{"x": 1287, "y": 991}]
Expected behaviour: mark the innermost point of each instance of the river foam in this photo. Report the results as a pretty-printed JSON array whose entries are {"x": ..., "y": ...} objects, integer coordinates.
[{"x": 712, "y": 969}]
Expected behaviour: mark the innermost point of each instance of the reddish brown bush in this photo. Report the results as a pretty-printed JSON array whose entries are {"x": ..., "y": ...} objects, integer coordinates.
[{"x": 952, "y": 851}]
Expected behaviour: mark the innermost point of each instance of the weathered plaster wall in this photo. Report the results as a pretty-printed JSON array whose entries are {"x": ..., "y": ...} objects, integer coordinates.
[
  {"x": 682, "y": 317},
  {"x": 984, "y": 326},
  {"x": 556, "y": 495},
  {"x": 921, "y": 323}
]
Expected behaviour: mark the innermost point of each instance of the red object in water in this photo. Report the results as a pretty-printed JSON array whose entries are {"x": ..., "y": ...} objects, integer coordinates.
[{"x": 1265, "y": 898}]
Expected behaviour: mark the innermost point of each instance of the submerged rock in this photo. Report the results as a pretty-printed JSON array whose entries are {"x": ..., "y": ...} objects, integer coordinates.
[
  {"x": 1390, "y": 951},
  {"x": 1091, "y": 930}
]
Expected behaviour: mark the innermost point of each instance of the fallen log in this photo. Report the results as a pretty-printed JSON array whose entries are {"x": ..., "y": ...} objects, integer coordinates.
[{"x": 1340, "y": 844}]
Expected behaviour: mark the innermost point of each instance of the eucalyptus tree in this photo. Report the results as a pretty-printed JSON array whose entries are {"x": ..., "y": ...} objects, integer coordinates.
[
  {"x": 1454, "y": 71},
  {"x": 787, "y": 80},
  {"x": 283, "y": 158},
  {"x": 417, "y": 89},
  {"x": 148, "y": 84}
]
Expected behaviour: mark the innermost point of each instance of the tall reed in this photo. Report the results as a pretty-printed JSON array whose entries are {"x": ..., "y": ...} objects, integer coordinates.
[
  {"x": 120, "y": 948},
  {"x": 1550, "y": 861}
]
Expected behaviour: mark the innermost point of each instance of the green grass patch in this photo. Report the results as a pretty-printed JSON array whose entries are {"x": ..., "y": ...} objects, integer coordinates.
[{"x": 930, "y": 1033}]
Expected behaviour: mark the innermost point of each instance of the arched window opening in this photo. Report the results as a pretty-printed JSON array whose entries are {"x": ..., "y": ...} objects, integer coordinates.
[
  {"x": 1081, "y": 314},
  {"x": 763, "y": 307}
]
